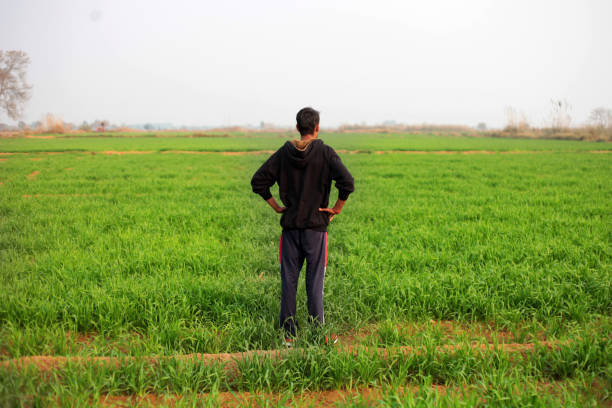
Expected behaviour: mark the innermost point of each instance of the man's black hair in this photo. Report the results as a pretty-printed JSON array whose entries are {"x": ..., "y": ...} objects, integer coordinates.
[{"x": 307, "y": 119}]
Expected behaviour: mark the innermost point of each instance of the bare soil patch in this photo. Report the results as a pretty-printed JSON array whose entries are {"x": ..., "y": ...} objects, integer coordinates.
[
  {"x": 329, "y": 398},
  {"x": 365, "y": 396},
  {"x": 233, "y": 153},
  {"x": 62, "y": 195},
  {"x": 230, "y": 360},
  {"x": 111, "y": 152},
  {"x": 489, "y": 331},
  {"x": 76, "y": 195},
  {"x": 477, "y": 152},
  {"x": 33, "y": 175},
  {"x": 185, "y": 152},
  {"x": 462, "y": 151},
  {"x": 247, "y": 153},
  {"x": 81, "y": 338},
  {"x": 451, "y": 331},
  {"x": 342, "y": 151}
]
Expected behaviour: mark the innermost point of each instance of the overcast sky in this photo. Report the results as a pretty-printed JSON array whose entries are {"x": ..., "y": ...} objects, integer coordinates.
[{"x": 239, "y": 62}]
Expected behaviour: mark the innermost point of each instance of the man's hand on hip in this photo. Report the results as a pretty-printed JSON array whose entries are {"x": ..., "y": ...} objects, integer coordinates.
[
  {"x": 335, "y": 210},
  {"x": 275, "y": 205}
]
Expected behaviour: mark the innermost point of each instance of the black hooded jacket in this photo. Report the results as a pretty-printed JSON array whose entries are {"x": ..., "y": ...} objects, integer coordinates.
[{"x": 304, "y": 178}]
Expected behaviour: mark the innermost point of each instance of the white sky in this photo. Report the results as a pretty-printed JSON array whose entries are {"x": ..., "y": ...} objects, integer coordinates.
[{"x": 238, "y": 62}]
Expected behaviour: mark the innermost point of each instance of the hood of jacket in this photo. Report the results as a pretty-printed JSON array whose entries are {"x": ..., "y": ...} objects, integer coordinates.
[{"x": 300, "y": 153}]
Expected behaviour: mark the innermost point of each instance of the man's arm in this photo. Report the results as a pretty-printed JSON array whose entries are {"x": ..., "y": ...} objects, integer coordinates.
[
  {"x": 344, "y": 183},
  {"x": 275, "y": 205},
  {"x": 264, "y": 178}
]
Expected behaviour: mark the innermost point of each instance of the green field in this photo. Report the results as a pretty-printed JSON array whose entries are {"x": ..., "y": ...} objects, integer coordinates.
[
  {"x": 271, "y": 141},
  {"x": 168, "y": 254}
]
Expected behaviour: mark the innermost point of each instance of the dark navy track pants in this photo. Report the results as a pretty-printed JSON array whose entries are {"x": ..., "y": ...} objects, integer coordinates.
[{"x": 297, "y": 245}]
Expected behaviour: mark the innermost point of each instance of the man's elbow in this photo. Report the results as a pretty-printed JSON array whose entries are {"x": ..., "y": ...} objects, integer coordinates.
[
  {"x": 345, "y": 190},
  {"x": 256, "y": 184},
  {"x": 263, "y": 192},
  {"x": 349, "y": 184},
  {"x": 343, "y": 195}
]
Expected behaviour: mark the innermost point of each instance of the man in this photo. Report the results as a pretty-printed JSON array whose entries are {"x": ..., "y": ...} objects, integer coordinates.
[{"x": 304, "y": 170}]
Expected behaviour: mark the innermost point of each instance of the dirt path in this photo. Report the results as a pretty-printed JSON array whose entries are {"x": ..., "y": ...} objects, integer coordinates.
[
  {"x": 227, "y": 153},
  {"x": 368, "y": 396},
  {"x": 328, "y": 398},
  {"x": 230, "y": 360},
  {"x": 114, "y": 152},
  {"x": 78, "y": 195}
]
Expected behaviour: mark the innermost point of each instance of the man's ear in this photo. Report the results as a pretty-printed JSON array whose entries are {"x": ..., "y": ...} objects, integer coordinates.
[
  {"x": 316, "y": 128},
  {"x": 297, "y": 128}
]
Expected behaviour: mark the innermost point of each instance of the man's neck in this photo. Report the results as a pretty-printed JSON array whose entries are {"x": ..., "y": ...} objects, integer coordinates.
[{"x": 306, "y": 138}]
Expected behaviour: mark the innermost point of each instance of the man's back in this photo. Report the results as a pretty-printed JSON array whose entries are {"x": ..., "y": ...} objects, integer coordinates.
[{"x": 304, "y": 172}]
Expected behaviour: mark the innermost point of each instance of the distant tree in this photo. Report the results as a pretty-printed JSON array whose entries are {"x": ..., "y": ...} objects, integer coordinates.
[
  {"x": 100, "y": 125},
  {"x": 14, "y": 90},
  {"x": 52, "y": 124},
  {"x": 85, "y": 126},
  {"x": 22, "y": 125},
  {"x": 515, "y": 121},
  {"x": 148, "y": 126},
  {"x": 560, "y": 117},
  {"x": 601, "y": 117},
  {"x": 481, "y": 126}
]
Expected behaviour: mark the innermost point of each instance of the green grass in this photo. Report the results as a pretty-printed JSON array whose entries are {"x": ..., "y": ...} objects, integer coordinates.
[
  {"x": 168, "y": 254},
  {"x": 241, "y": 142},
  {"x": 496, "y": 374}
]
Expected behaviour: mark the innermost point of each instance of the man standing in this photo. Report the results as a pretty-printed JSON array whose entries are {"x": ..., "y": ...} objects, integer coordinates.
[{"x": 304, "y": 170}]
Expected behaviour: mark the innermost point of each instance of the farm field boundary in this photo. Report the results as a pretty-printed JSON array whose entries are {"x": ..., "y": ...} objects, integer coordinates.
[
  {"x": 359, "y": 396},
  {"x": 259, "y": 152},
  {"x": 551, "y": 373},
  {"x": 367, "y": 143},
  {"x": 45, "y": 363}
]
